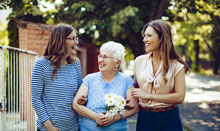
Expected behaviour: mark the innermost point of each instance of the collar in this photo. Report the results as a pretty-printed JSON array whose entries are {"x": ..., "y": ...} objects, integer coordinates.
[{"x": 150, "y": 55}]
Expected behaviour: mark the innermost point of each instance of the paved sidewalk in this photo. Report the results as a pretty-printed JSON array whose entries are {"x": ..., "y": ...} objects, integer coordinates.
[
  {"x": 201, "y": 108},
  {"x": 201, "y": 116}
]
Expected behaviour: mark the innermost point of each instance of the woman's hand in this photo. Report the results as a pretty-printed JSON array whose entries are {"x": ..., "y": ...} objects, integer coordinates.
[
  {"x": 49, "y": 126},
  {"x": 137, "y": 92},
  {"x": 52, "y": 128},
  {"x": 99, "y": 119},
  {"x": 129, "y": 104},
  {"x": 82, "y": 100},
  {"x": 108, "y": 121}
]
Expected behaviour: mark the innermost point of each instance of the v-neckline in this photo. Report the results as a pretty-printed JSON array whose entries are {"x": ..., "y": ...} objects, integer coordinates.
[{"x": 158, "y": 70}]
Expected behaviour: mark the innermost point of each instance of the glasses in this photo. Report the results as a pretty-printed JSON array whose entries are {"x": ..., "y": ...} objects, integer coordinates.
[
  {"x": 105, "y": 57},
  {"x": 73, "y": 38}
]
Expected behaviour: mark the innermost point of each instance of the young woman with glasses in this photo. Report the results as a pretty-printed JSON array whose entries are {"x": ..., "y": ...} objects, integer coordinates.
[{"x": 56, "y": 77}]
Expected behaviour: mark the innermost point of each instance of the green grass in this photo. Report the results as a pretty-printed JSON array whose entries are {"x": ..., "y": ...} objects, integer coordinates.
[
  {"x": 185, "y": 128},
  {"x": 132, "y": 122}
]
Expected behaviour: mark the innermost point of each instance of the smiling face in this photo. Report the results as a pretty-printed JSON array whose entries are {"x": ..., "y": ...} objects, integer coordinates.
[
  {"x": 106, "y": 62},
  {"x": 151, "y": 40},
  {"x": 71, "y": 43}
]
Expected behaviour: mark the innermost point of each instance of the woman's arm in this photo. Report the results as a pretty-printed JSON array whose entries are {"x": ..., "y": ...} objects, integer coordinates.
[
  {"x": 129, "y": 112},
  {"x": 82, "y": 109},
  {"x": 177, "y": 97},
  {"x": 37, "y": 88},
  {"x": 135, "y": 78}
]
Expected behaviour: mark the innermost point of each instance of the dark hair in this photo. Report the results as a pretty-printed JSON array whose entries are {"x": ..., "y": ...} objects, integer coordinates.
[
  {"x": 56, "y": 46},
  {"x": 167, "y": 48}
]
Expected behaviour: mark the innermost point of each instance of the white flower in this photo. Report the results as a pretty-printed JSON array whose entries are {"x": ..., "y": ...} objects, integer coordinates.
[
  {"x": 120, "y": 102},
  {"x": 114, "y": 104},
  {"x": 109, "y": 102},
  {"x": 110, "y": 99},
  {"x": 109, "y": 96}
]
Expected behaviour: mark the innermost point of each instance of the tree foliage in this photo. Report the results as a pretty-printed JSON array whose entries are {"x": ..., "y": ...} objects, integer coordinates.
[
  {"x": 103, "y": 20},
  {"x": 197, "y": 21},
  {"x": 3, "y": 35},
  {"x": 23, "y": 10},
  {"x": 97, "y": 21}
]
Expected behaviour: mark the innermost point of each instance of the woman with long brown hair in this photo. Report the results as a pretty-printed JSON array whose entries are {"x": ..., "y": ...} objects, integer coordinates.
[
  {"x": 160, "y": 79},
  {"x": 56, "y": 78}
]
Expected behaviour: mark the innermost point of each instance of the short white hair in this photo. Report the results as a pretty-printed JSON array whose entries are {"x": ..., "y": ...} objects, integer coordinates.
[{"x": 117, "y": 49}]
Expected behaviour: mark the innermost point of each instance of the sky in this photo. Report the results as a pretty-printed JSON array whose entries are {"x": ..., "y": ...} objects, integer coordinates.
[{"x": 4, "y": 13}]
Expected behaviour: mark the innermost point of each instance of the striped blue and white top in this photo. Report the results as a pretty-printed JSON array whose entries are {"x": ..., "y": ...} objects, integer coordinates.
[{"x": 53, "y": 99}]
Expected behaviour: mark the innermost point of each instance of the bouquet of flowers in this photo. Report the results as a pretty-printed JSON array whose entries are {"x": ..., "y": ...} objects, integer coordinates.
[{"x": 114, "y": 104}]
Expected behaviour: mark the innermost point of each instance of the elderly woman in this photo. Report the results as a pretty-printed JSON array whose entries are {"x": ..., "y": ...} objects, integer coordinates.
[{"x": 96, "y": 85}]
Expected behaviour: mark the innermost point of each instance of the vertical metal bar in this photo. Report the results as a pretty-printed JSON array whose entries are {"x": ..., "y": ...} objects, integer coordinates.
[
  {"x": 31, "y": 119},
  {"x": 19, "y": 93},
  {"x": 29, "y": 76},
  {"x": 25, "y": 91},
  {"x": 8, "y": 89},
  {"x": 33, "y": 113},
  {"x": 12, "y": 90},
  {"x": 10, "y": 84},
  {"x": 28, "y": 90},
  {"x": 30, "y": 66},
  {"x": 3, "y": 75},
  {"x": 21, "y": 87},
  {"x": 17, "y": 87},
  {"x": 14, "y": 85}
]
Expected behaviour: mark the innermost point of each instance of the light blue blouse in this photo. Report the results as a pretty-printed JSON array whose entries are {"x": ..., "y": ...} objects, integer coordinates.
[{"x": 97, "y": 89}]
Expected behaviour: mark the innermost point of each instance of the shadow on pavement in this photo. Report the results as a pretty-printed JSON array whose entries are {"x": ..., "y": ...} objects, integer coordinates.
[{"x": 201, "y": 116}]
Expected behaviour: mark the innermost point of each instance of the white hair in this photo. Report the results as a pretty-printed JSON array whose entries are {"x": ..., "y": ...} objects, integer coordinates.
[{"x": 117, "y": 49}]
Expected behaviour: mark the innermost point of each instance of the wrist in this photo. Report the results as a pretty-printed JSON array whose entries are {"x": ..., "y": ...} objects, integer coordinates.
[
  {"x": 121, "y": 114},
  {"x": 149, "y": 96},
  {"x": 47, "y": 124}
]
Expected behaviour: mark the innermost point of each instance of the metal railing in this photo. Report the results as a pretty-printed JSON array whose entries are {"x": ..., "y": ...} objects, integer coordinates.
[{"x": 16, "y": 112}]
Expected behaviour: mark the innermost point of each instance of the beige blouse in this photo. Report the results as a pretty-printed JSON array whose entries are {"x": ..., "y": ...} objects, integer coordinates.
[{"x": 143, "y": 73}]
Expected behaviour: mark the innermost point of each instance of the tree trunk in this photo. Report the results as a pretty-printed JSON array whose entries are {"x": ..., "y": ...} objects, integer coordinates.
[
  {"x": 161, "y": 9},
  {"x": 196, "y": 47},
  {"x": 216, "y": 59},
  {"x": 216, "y": 65},
  {"x": 185, "y": 52}
]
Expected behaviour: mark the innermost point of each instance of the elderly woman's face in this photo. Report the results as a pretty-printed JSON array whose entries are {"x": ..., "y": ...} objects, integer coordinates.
[{"x": 106, "y": 62}]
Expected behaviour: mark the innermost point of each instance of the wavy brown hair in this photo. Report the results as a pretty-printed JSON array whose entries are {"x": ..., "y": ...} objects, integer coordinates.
[
  {"x": 167, "y": 48},
  {"x": 56, "y": 47}
]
